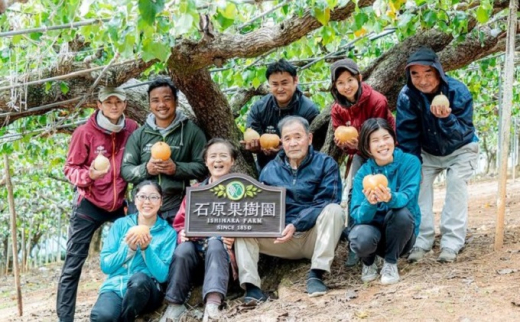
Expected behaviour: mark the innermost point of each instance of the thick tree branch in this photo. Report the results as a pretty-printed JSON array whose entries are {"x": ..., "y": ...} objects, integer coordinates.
[
  {"x": 242, "y": 96},
  {"x": 225, "y": 46}
]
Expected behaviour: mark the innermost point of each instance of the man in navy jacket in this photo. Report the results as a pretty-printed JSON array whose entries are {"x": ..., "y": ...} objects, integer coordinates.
[
  {"x": 444, "y": 139},
  {"x": 314, "y": 220}
]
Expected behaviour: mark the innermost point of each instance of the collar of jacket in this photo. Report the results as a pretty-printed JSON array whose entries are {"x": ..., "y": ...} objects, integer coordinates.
[
  {"x": 282, "y": 158},
  {"x": 389, "y": 169},
  {"x": 295, "y": 101}
]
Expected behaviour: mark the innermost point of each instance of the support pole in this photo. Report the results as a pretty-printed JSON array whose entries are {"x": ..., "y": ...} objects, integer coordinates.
[
  {"x": 16, "y": 269},
  {"x": 505, "y": 122}
]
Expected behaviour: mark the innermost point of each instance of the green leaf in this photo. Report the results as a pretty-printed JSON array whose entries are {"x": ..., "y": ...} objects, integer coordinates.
[
  {"x": 48, "y": 86},
  {"x": 149, "y": 9},
  {"x": 322, "y": 15},
  {"x": 482, "y": 15},
  {"x": 183, "y": 24},
  {"x": 256, "y": 82},
  {"x": 152, "y": 50},
  {"x": 230, "y": 12},
  {"x": 64, "y": 87}
]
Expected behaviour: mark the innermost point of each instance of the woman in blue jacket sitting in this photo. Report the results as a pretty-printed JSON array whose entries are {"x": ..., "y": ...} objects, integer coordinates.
[
  {"x": 135, "y": 264},
  {"x": 386, "y": 219}
]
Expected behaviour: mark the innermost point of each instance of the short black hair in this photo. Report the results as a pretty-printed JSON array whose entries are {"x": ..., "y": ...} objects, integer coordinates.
[
  {"x": 370, "y": 126},
  {"x": 148, "y": 182},
  {"x": 233, "y": 151},
  {"x": 279, "y": 67},
  {"x": 160, "y": 82}
]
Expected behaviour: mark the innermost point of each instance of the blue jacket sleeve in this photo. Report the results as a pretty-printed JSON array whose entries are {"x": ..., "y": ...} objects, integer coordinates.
[
  {"x": 329, "y": 191},
  {"x": 408, "y": 125},
  {"x": 159, "y": 256},
  {"x": 115, "y": 250},
  {"x": 254, "y": 117},
  {"x": 410, "y": 180},
  {"x": 360, "y": 209}
]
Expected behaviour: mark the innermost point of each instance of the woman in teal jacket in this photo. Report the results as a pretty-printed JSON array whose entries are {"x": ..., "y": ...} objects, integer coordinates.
[
  {"x": 386, "y": 219},
  {"x": 136, "y": 264}
]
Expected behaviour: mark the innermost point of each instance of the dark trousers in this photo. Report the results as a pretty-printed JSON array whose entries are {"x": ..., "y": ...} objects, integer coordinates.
[
  {"x": 142, "y": 295},
  {"x": 394, "y": 238},
  {"x": 189, "y": 268},
  {"x": 85, "y": 220}
]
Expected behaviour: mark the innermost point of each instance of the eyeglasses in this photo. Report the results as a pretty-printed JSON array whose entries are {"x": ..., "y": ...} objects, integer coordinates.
[{"x": 152, "y": 198}]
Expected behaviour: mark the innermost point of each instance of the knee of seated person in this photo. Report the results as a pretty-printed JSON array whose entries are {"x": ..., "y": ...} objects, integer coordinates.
[
  {"x": 402, "y": 217},
  {"x": 102, "y": 314},
  {"x": 360, "y": 239},
  {"x": 138, "y": 279},
  {"x": 334, "y": 210},
  {"x": 184, "y": 250},
  {"x": 215, "y": 246}
]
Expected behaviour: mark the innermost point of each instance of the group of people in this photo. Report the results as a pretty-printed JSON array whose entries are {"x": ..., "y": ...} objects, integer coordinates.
[{"x": 389, "y": 221}]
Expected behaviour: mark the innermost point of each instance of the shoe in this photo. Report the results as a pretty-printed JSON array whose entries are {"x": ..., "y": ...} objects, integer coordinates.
[
  {"x": 254, "y": 295},
  {"x": 211, "y": 313},
  {"x": 416, "y": 254},
  {"x": 369, "y": 273},
  {"x": 173, "y": 313},
  {"x": 447, "y": 255},
  {"x": 316, "y": 287},
  {"x": 352, "y": 259},
  {"x": 389, "y": 274}
]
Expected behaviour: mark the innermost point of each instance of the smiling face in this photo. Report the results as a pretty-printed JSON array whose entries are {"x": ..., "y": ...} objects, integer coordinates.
[
  {"x": 282, "y": 87},
  {"x": 425, "y": 78},
  {"x": 295, "y": 141},
  {"x": 148, "y": 202},
  {"x": 382, "y": 146},
  {"x": 112, "y": 108},
  {"x": 347, "y": 85},
  {"x": 219, "y": 160},
  {"x": 163, "y": 105}
]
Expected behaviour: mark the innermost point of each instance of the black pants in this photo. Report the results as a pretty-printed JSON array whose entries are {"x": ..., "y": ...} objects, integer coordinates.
[
  {"x": 85, "y": 220},
  {"x": 391, "y": 240},
  {"x": 142, "y": 295},
  {"x": 189, "y": 268}
]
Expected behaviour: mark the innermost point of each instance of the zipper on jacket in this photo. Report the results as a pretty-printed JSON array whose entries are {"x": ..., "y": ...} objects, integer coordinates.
[{"x": 114, "y": 170}]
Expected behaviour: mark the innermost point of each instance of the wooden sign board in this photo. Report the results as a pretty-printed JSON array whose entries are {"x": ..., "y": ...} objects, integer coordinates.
[{"x": 235, "y": 206}]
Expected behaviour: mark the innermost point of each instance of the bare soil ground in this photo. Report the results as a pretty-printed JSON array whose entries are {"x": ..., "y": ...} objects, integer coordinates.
[{"x": 482, "y": 285}]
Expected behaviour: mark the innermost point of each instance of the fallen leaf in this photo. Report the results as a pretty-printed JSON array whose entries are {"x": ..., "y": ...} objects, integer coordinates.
[
  {"x": 351, "y": 294},
  {"x": 419, "y": 297},
  {"x": 361, "y": 315},
  {"x": 506, "y": 271},
  {"x": 516, "y": 303}
]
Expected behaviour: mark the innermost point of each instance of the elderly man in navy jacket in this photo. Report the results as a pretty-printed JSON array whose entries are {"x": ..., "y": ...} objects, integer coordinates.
[
  {"x": 444, "y": 139},
  {"x": 314, "y": 220}
]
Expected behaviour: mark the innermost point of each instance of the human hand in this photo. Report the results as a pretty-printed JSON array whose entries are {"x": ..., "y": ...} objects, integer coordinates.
[
  {"x": 183, "y": 236},
  {"x": 145, "y": 241},
  {"x": 287, "y": 234},
  {"x": 96, "y": 174},
  {"x": 272, "y": 151},
  {"x": 167, "y": 167},
  {"x": 440, "y": 111},
  {"x": 151, "y": 167},
  {"x": 379, "y": 194},
  {"x": 352, "y": 144},
  {"x": 132, "y": 240},
  {"x": 228, "y": 242},
  {"x": 252, "y": 146}
]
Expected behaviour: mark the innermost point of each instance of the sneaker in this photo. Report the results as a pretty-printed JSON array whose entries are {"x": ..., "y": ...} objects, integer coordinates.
[
  {"x": 352, "y": 259},
  {"x": 416, "y": 254},
  {"x": 211, "y": 313},
  {"x": 369, "y": 273},
  {"x": 173, "y": 313},
  {"x": 315, "y": 287},
  {"x": 254, "y": 295},
  {"x": 447, "y": 255},
  {"x": 389, "y": 274}
]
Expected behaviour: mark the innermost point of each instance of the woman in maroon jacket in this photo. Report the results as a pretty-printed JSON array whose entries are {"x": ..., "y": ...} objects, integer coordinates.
[
  {"x": 355, "y": 102},
  {"x": 99, "y": 195}
]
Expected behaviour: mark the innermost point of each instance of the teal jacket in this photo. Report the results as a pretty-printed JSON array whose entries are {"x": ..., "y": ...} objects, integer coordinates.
[
  {"x": 404, "y": 179},
  {"x": 119, "y": 262}
]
